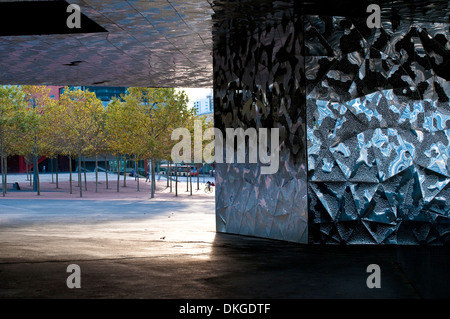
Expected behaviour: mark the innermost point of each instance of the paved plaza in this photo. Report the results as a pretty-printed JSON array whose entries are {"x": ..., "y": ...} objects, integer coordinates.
[
  {"x": 105, "y": 188},
  {"x": 131, "y": 246}
]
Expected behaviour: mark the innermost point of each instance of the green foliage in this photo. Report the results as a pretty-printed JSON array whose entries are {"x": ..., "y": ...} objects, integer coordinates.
[
  {"x": 14, "y": 120},
  {"x": 74, "y": 124},
  {"x": 138, "y": 126},
  {"x": 36, "y": 99},
  {"x": 143, "y": 122}
]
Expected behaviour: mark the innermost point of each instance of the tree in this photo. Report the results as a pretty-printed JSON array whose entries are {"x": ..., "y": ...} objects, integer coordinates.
[
  {"x": 51, "y": 129},
  {"x": 117, "y": 131},
  {"x": 77, "y": 116},
  {"x": 203, "y": 123},
  {"x": 98, "y": 139},
  {"x": 37, "y": 98},
  {"x": 182, "y": 152},
  {"x": 160, "y": 110},
  {"x": 55, "y": 126},
  {"x": 12, "y": 125}
]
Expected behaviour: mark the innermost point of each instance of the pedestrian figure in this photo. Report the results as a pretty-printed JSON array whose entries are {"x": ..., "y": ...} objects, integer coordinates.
[
  {"x": 43, "y": 169},
  {"x": 148, "y": 176}
]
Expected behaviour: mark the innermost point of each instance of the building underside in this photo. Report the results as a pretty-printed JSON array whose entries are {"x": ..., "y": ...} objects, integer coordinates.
[{"x": 362, "y": 111}]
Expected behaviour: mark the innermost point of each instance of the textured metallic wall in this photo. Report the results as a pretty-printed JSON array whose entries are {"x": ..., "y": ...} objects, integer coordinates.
[
  {"x": 365, "y": 153},
  {"x": 259, "y": 82},
  {"x": 378, "y": 132}
]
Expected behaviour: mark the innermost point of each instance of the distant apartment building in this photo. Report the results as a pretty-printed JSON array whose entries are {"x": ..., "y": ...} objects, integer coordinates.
[
  {"x": 204, "y": 106},
  {"x": 103, "y": 93}
]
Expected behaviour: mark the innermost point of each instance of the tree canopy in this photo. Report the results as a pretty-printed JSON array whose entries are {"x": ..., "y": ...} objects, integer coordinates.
[{"x": 136, "y": 126}]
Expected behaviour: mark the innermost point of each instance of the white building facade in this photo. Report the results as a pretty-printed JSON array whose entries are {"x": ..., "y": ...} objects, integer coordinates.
[{"x": 204, "y": 106}]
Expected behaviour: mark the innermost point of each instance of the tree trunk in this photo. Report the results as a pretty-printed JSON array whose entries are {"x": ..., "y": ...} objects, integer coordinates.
[
  {"x": 5, "y": 166},
  {"x": 33, "y": 178},
  {"x": 190, "y": 180},
  {"x": 118, "y": 172},
  {"x": 79, "y": 174},
  {"x": 70, "y": 173},
  {"x": 6, "y": 172},
  {"x": 36, "y": 172},
  {"x": 154, "y": 176},
  {"x": 38, "y": 180},
  {"x": 169, "y": 176},
  {"x": 176, "y": 180},
  {"x": 138, "y": 183},
  {"x": 84, "y": 168},
  {"x": 188, "y": 172},
  {"x": 203, "y": 170},
  {"x": 96, "y": 173},
  {"x": 57, "y": 169},
  {"x": 198, "y": 177},
  {"x": 51, "y": 167},
  {"x": 125, "y": 172},
  {"x": 106, "y": 171},
  {"x": 79, "y": 181},
  {"x": 153, "y": 179},
  {"x": 3, "y": 176},
  {"x": 136, "y": 175}
]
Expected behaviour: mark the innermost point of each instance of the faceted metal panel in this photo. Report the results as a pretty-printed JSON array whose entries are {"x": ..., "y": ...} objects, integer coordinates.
[
  {"x": 378, "y": 131},
  {"x": 259, "y": 83}
]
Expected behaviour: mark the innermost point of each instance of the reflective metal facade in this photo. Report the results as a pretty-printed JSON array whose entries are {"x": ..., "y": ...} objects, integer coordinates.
[
  {"x": 363, "y": 115},
  {"x": 259, "y": 82},
  {"x": 378, "y": 132}
]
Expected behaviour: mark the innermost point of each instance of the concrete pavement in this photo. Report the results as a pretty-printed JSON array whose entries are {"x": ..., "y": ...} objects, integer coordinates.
[{"x": 169, "y": 249}]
